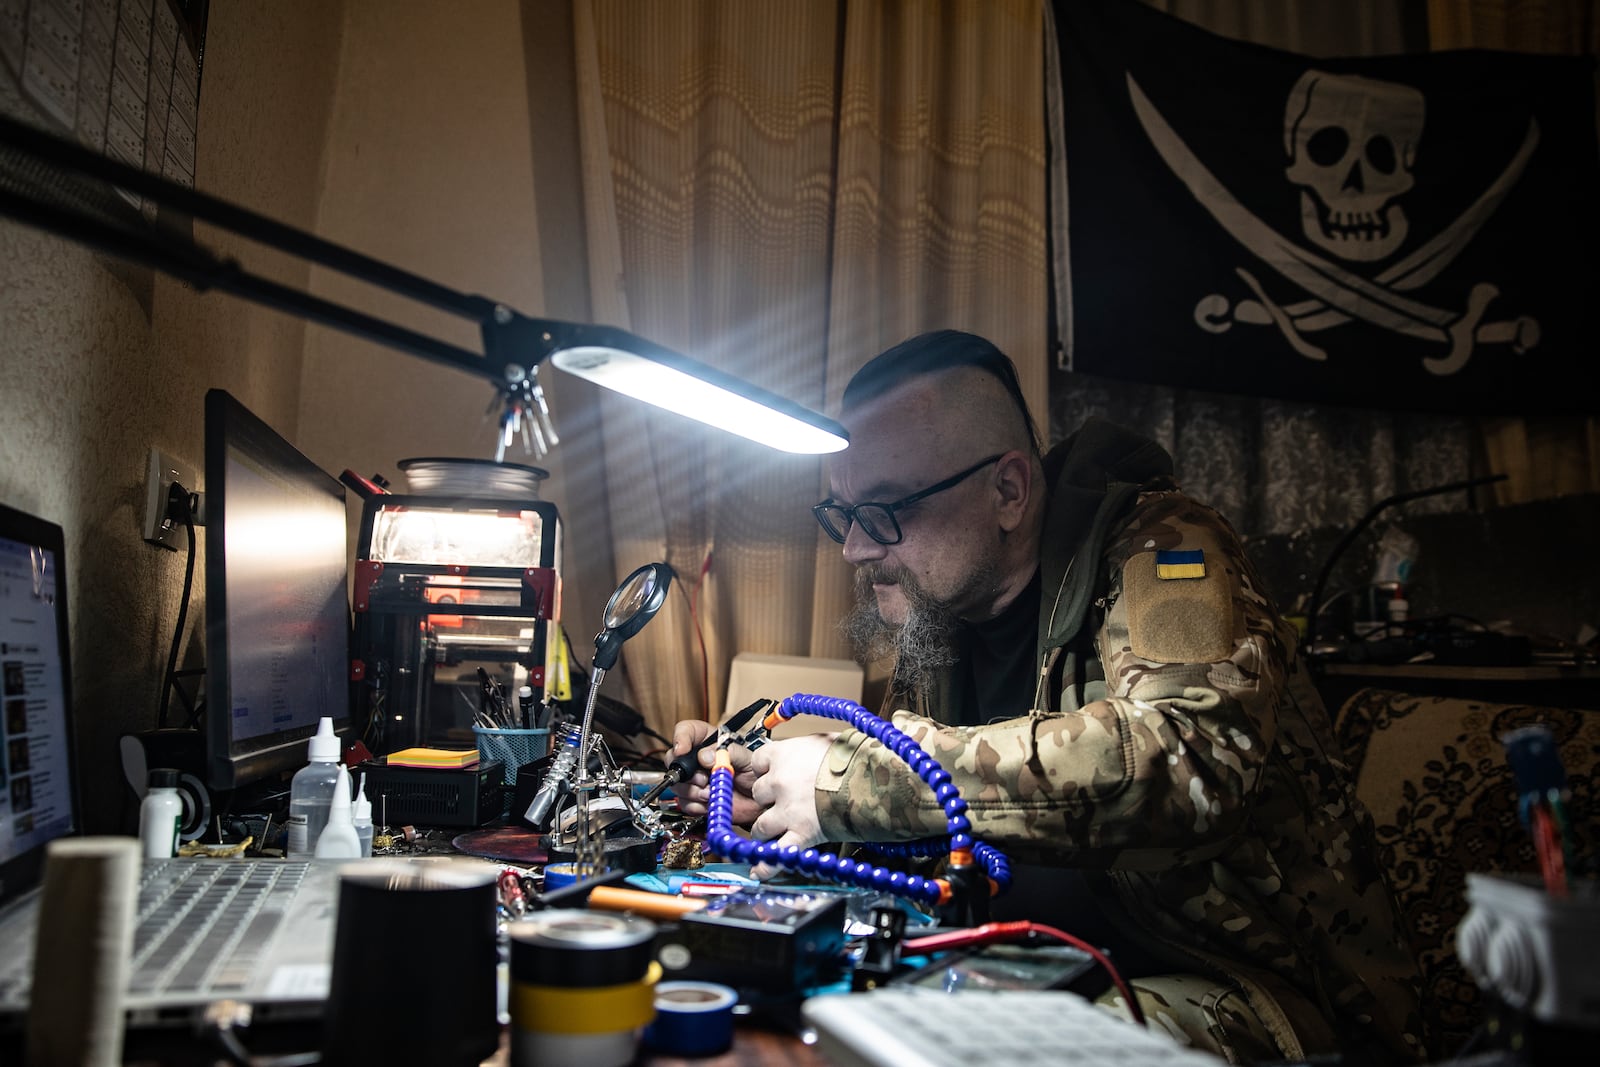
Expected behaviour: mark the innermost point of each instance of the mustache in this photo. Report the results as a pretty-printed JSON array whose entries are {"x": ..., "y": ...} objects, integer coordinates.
[{"x": 871, "y": 574}]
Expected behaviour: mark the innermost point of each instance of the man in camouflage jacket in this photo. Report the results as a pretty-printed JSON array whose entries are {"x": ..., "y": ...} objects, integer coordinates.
[{"x": 1175, "y": 755}]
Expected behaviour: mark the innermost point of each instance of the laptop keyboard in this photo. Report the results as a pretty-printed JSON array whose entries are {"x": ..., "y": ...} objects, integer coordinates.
[
  {"x": 899, "y": 1025},
  {"x": 203, "y": 924}
]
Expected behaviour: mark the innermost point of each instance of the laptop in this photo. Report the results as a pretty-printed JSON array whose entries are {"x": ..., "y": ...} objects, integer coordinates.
[{"x": 254, "y": 930}]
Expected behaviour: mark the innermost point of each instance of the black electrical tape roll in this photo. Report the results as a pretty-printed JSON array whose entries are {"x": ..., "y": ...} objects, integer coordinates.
[{"x": 582, "y": 949}]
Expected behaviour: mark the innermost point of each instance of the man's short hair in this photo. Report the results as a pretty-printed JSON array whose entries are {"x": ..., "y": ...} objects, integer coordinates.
[{"x": 930, "y": 353}]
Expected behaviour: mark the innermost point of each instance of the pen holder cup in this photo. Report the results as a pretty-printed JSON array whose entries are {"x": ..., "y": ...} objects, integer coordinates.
[{"x": 515, "y": 748}]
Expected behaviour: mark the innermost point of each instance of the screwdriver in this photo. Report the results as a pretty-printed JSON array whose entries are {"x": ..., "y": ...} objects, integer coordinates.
[{"x": 686, "y": 765}]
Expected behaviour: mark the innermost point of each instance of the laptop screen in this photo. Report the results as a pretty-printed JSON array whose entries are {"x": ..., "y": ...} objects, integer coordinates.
[{"x": 38, "y": 787}]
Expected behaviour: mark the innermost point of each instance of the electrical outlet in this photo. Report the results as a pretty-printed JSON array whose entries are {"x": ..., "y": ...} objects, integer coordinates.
[{"x": 163, "y": 470}]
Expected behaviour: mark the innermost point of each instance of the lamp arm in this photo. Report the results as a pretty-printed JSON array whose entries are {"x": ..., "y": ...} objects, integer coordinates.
[
  {"x": 57, "y": 185},
  {"x": 205, "y": 271},
  {"x": 184, "y": 258},
  {"x": 74, "y": 159}
]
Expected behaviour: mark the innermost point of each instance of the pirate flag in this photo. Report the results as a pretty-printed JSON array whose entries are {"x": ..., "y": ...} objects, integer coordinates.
[{"x": 1411, "y": 232}]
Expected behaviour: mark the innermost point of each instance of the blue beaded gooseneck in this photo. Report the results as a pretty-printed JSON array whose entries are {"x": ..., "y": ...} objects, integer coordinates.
[{"x": 963, "y": 847}]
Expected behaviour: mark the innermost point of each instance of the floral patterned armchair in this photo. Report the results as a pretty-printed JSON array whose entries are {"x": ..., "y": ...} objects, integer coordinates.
[{"x": 1433, "y": 772}]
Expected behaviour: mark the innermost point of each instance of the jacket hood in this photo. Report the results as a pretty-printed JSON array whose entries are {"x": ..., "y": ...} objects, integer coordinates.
[{"x": 1094, "y": 476}]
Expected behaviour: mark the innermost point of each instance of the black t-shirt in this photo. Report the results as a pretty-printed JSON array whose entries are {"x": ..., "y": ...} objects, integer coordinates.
[{"x": 994, "y": 668}]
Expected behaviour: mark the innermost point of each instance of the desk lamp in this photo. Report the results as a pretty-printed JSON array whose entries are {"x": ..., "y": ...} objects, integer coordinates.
[{"x": 61, "y": 187}]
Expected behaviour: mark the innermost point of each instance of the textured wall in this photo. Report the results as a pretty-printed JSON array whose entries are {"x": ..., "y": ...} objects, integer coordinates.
[
  {"x": 97, "y": 364},
  {"x": 399, "y": 131}
]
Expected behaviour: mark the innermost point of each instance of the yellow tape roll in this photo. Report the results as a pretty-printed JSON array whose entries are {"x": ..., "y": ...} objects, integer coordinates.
[{"x": 597, "y": 1010}]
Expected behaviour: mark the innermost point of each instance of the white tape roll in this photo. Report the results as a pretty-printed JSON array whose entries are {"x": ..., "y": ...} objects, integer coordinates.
[{"x": 85, "y": 942}]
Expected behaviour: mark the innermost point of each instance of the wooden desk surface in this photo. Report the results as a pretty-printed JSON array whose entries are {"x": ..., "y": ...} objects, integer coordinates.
[
  {"x": 754, "y": 1045},
  {"x": 1571, "y": 686},
  {"x": 1466, "y": 672}
]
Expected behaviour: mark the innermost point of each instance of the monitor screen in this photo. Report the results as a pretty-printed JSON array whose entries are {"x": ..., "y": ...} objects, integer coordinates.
[
  {"x": 38, "y": 787},
  {"x": 277, "y": 606}
]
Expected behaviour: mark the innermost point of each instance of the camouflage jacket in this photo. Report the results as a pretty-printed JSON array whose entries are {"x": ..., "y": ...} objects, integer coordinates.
[{"x": 1199, "y": 782}]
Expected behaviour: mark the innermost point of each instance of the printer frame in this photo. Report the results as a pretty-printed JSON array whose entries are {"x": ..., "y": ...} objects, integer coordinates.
[{"x": 415, "y": 620}]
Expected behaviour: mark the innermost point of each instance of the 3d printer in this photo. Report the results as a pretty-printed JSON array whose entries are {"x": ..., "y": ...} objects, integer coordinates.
[{"x": 457, "y": 605}]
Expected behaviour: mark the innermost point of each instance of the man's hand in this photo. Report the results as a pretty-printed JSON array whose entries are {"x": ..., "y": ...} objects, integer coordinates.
[
  {"x": 785, "y": 787},
  {"x": 694, "y": 793}
]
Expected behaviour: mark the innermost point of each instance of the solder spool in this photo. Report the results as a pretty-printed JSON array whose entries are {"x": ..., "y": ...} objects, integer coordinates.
[{"x": 582, "y": 988}]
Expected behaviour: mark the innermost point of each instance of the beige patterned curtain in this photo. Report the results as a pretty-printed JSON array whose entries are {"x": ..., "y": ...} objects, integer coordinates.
[
  {"x": 781, "y": 190},
  {"x": 941, "y": 201},
  {"x": 1544, "y": 457}
]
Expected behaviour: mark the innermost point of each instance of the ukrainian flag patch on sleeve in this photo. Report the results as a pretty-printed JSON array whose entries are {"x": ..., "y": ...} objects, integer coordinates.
[{"x": 1171, "y": 563}]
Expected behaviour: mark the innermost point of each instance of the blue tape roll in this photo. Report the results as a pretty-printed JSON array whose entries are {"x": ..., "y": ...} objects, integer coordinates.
[
  {"x": 692, "y": 1019},
  {"x": 559, "y": 875}
]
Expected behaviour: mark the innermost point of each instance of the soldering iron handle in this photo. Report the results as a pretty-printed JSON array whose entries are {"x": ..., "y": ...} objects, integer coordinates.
[
  {"x": 679, "y": 769},
  {"x": 684, "y": 767}
]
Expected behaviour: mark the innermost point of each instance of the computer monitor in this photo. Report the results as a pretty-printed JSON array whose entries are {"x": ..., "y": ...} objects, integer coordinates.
[
  {"x": 38, "y": 779},
  {"x": 277, "y": 605}
]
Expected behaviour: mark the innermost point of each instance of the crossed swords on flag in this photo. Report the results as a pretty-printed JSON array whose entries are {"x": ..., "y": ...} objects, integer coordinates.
[{"x": 1336, "y": 294}]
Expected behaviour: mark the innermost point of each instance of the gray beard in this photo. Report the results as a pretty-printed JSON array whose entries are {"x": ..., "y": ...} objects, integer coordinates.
[{"x": 922, "y": 647}]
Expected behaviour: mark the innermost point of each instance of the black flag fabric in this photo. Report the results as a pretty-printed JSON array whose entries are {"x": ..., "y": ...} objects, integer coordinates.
[{"x": 1413, "y": 232}]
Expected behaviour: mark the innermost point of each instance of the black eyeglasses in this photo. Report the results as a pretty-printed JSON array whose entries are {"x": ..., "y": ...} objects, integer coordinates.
[{"x": 877, "y": 520}]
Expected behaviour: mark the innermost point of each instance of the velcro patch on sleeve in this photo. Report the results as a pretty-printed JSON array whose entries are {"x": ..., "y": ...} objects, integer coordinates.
[
  {"x": 1172, "y": 564},
  {"x": 1188, "y": 621}
]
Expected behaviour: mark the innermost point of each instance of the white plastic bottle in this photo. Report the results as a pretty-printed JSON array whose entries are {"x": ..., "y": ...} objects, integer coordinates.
[
  {"x": 361, "y": 815},
  {"x": 161, "y": 815},
  {"x": 338, "y": 840},
  {"x": 311, "y": 791},
  {"x": 1399, "y": 607}
]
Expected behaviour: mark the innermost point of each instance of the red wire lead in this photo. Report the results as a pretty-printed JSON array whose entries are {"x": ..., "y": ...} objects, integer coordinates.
[{"x": 989, "y": 933}]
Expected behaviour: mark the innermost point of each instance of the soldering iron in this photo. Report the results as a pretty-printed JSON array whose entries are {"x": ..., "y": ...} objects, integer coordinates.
[{"x": 684, "y": 767}]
